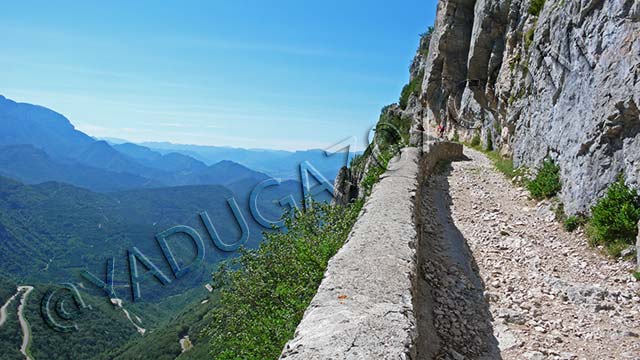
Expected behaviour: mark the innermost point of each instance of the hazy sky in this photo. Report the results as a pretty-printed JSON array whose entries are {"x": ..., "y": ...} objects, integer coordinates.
[{"x": 272, "y": 74}]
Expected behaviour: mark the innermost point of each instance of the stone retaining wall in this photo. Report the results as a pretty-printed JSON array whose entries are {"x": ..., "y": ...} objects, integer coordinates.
[{"x": 364, "y": 308}]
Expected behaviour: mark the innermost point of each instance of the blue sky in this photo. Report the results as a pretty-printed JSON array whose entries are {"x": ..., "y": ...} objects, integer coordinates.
[{"x": 253, "y": 74}]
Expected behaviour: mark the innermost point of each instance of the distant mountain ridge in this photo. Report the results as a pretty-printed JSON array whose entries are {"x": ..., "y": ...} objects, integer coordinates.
[
  {"x": 44, "y": 128},
  {"x": 33, "y": 165},
  {"x": 276, "y": 163},
  {"x": 41, "y": 145}
]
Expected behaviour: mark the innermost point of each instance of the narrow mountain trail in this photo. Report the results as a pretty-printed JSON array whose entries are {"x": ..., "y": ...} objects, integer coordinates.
[
  {"x": 504, "y": 280},
  {"x": 24, "y": 324}
]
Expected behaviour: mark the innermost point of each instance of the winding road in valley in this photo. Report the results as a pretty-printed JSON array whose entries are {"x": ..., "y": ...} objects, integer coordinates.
[
  {"x": 3, "y": 309},
  {"x": 24, "y": 324}
]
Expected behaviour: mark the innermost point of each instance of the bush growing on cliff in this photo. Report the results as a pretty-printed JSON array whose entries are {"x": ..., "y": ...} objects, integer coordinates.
[
  {"x": 425, "y": 41},
  {"x": 614, "y": 220},
  {"x": 546, "y": 184},
  {"x": 475, "y": 141},
  {"x": 413, "y": 87},
  {"x": 264, "y": 292},
  {"x": 528, "y": 37},
  {"x": 536, "y": 7},
  {"x": 376, "y": 170},
  {"x": 489, "y": 141},
  {"x": 392, "y": 129}
]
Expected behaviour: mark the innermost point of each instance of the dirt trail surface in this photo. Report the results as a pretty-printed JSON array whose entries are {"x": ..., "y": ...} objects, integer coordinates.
[{"x": 506, "y": 281}]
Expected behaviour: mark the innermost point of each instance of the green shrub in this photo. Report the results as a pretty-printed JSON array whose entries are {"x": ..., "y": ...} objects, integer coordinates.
[
  {"x": 264, "y": 292},
  {"x": 475, "y": 141},
  {"x": 489, "y": 141},
  {"x": 375, "y": 171},
  {"x": 636, "y": 275},
  {"x": 615, "y": 248},
  {"x": 572, "y": 223},
  {"x": 569, "y": 223},
  {"x": 536, "y": 7},
  {"x": 413, "y": 87},
  {"x": 547, "y": 182},
  {"x": 514, "y": 62},
  {"x": 560, "y": 215},
  {"x": 614, "y": 220},
  {"x": 497, "y": 127},
  {"x": 425, "y": 41},
  {"x": 505, "y": 165},
  {"x": 528, "y": 37},
  {"x": 392, "y": 129}
]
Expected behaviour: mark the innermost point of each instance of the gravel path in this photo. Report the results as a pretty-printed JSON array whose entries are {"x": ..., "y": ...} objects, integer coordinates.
[{"x": 549, "y": 294}]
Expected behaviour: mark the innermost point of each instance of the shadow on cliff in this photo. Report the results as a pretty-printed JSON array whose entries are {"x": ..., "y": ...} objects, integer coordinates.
[{"x": 452, "y": 312}]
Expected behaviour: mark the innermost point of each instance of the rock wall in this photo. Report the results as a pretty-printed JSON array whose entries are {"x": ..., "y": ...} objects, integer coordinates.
[
  {"x": 364, "y": 307},
  {"x": 638, "y": 249},
  {"x": 564, "y": 84}
]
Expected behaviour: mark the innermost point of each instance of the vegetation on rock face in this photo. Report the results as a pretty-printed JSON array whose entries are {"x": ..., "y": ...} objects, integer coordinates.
[
  {"x": 391, "y": 135},
  {"x": 264, "y": 292},
  {"x": 413, "y": 87},
  {"x": 546, "y": 184},
  {"x": 515, "y": 61},
  {"x": 373, "y": 175},
  {"x": 392, "y": 129},
  {"x": 489, "y": 141},
  {"x": 425, "y": 41},
  {"x": 614, "y": 220},
  {"x": 536, "y": 7},
  {"x": 475, "y": 141},
  {"x": 528, "y": 37}
]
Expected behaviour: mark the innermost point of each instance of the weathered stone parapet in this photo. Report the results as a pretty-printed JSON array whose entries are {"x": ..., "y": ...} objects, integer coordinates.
[
  {"x": 364, "y": 305},
  {"x": 436, "y": 151}
]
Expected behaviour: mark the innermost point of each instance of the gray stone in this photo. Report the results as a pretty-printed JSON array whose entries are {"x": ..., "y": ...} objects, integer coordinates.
[
  {"x": 506, "y": 338},
  {"x": 367, "y": 291},
  {"x": 366, "y": 294},
  {"x": 346, "y": 187},
  {"x": 629, "y": 251},
  {"x": 581, "y": 294},
  {"x": 638, "y": 249},
  {"x": 572, "y": 93},
  {"x": 533, "y": 355}
]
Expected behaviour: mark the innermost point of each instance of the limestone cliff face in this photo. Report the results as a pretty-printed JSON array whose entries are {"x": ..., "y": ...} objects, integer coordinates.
[{"x": 564, "y": 84}]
